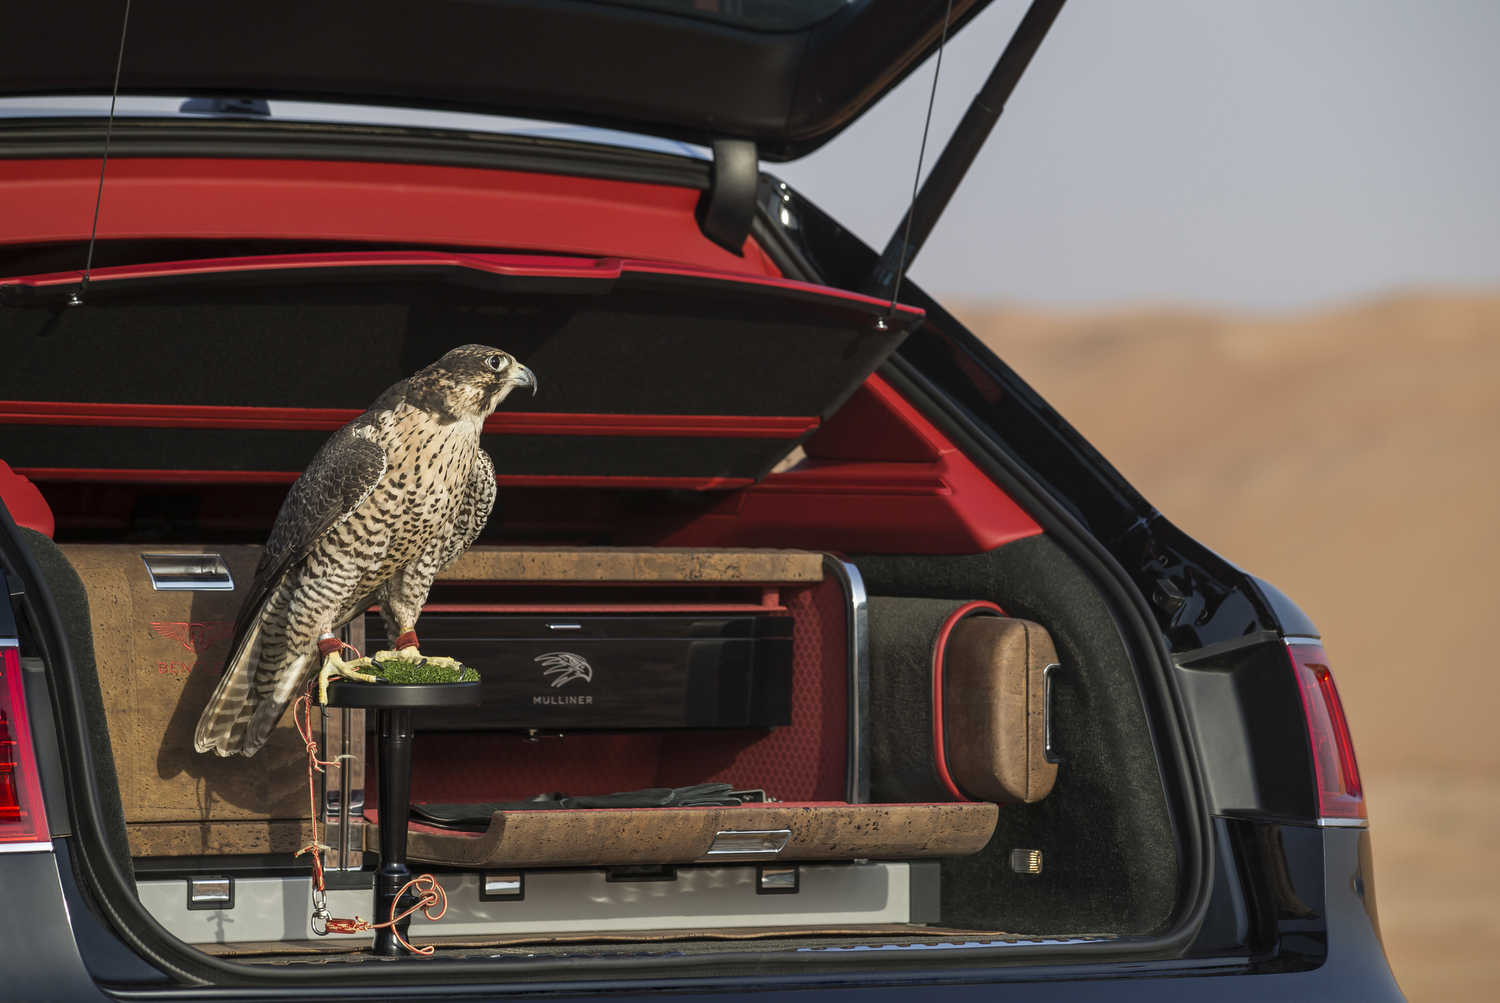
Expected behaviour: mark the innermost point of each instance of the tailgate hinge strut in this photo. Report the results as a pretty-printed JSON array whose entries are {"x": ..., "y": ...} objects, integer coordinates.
[{"x": 963, "y": 146}]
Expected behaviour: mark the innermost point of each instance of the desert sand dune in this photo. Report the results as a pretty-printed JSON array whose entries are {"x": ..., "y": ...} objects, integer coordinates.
[{"x": 1353, "y": 458}]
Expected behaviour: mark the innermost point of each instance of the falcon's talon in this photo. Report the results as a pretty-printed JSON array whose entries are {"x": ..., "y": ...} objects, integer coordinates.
[{"x": 333, "y": 666}]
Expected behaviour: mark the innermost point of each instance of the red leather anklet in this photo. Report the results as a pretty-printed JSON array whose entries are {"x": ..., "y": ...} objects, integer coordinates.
[
  {"x": 407, "y": 640},
  {"x": 329, "y": 646}
]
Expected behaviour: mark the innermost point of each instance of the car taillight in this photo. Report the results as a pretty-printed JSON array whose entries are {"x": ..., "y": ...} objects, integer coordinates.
[
  {"x": 22, "y": 818},
  {"x": 1340, "y": 795}
]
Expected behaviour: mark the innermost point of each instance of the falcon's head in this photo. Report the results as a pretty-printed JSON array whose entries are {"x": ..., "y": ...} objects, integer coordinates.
[{"x": 474, "y": 379}]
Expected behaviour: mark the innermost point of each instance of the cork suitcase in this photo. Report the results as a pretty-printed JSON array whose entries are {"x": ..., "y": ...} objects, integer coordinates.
[
  {"x": 162, "y": 640},
  {"x": 960, "y": 702},
  {"x": 160, "y": 654}
]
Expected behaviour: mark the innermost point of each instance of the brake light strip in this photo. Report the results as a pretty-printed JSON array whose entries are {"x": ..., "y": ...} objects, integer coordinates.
[{"x": 23, "y": 816}]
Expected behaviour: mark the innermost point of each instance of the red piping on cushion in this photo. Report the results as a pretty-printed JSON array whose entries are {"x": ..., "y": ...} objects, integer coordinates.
[{"x": 939, "y": 744}]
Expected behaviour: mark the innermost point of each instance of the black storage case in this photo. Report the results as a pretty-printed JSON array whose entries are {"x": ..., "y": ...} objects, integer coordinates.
[{"x": 580, "y": 673}]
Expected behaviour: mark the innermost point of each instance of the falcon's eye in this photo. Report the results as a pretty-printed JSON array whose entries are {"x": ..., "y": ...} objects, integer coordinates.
[{"x": 494, "y": 363}]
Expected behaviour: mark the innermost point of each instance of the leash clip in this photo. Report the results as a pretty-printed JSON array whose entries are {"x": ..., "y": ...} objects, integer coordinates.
[{"x": 320, "y": 915}]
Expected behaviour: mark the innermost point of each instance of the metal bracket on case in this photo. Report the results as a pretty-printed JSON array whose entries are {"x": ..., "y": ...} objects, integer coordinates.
[
  {"x": 343, "y": 789},
  {"x": 857, "y": 778},
  {"x": 1048, "y": 752}
]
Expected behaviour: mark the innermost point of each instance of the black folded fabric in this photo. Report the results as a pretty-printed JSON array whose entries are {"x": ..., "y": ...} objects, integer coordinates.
[
  {"x": 696, "y": 796},
  {"x": 476, "y": 817}
]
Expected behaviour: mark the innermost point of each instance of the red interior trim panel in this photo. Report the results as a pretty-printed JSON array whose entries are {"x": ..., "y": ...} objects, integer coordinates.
[
  {"x": 638, "y": 340},
  {"x": 933, "y": 501},
  {"x": 122, "y": 475},
  {"x": 52, "y": 201},
  {"x": 657, "y": 374},
  {"x": 24, "y": 501},
  {"x": 331, "y": 419}
]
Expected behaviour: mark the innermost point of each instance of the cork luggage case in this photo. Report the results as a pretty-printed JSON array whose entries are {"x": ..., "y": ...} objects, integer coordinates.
[
  {"x": 959, "y": 702},
  {"x": 160, "y": 654}
]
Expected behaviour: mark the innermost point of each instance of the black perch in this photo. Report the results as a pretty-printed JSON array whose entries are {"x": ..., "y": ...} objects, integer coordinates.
[{"x": 393, "y": 704}]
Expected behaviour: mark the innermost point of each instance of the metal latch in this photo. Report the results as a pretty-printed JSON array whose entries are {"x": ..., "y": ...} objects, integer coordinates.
[
  {"x": 188, "y": 573},
  {"x": 210, "y": 893},
  {"x": 776, "y": 879},
  {"x": 502, "y": 886}
]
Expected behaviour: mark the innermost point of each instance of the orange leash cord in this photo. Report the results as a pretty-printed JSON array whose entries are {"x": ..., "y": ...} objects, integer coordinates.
[{"x": 430, "y": 894}]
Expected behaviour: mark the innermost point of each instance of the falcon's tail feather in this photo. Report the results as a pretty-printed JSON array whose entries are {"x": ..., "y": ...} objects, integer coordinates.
[
  {"x": 257, "y": 721},
  {"x": 221, "y": 726}
]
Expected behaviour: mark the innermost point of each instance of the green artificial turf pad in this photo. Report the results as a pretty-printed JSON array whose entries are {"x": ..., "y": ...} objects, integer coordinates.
[{"x": 393, "y": 668}]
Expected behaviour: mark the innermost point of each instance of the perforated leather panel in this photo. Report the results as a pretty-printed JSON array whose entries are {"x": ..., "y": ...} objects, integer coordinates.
[{"x": 806, "y": 760}]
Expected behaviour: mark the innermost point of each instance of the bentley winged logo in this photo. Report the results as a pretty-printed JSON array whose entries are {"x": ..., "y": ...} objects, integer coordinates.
[
  {"x": 565, "y": 667},
  {"x": 196, "y": 636}
]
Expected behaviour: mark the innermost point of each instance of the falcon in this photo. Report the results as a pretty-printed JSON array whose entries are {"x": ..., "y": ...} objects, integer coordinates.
[{"x": 391, "y": 499}]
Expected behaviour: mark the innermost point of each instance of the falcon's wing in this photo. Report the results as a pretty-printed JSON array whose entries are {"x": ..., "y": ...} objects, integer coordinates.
[{"x": 339, "y": 480}]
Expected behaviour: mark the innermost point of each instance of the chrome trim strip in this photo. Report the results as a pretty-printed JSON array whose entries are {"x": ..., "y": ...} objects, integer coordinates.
[
  {"x": 36, "y": 846},
  {"x": 954, "y": 944},
  {"x": 1301, "y": 639},
  {"x": 9, "y": 642},
  {"x": 857, "y": 776}
]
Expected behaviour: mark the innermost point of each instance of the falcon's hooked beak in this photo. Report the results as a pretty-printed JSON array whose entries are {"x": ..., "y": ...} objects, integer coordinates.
[{"x": 520, "y": 376}]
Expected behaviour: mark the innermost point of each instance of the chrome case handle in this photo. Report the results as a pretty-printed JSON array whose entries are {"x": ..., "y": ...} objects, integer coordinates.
[
  {"x": 1048, "y": 752},
  {"x": 188, "y": 573},
  {"x": 749, "y": 843}
]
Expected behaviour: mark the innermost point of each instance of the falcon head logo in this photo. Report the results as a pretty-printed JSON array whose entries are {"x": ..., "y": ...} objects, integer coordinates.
[
  {"x": 565, "y": 667},
  {"x": 196, "y": 636}
]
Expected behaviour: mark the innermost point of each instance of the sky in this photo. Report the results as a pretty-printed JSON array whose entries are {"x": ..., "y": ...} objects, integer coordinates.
[{"x": 1256, "y": 154}]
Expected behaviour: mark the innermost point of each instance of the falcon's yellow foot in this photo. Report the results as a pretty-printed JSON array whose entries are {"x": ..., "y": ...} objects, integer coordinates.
[
  {"x": 415, "y": 657},
  {"x": 335, "y": 666}
]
